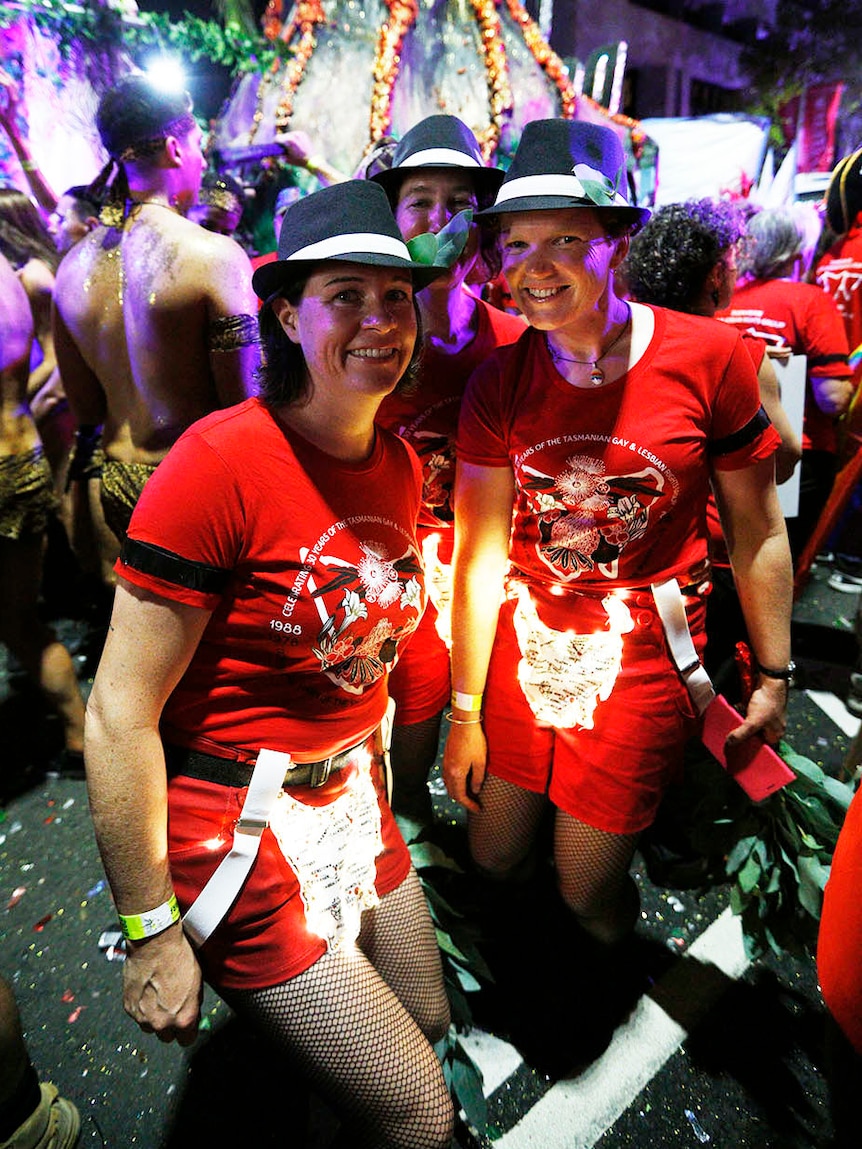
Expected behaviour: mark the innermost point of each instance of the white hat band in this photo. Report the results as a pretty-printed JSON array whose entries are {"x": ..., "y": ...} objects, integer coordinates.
[
  {"x": 549, "y": 185},
  {"x": 361, "y": 241},
  {"x": 429, "y": 156}
]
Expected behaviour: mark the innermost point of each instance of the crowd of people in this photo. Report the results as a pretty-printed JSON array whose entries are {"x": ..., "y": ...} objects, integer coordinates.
[{"x": 337, "y": 497}]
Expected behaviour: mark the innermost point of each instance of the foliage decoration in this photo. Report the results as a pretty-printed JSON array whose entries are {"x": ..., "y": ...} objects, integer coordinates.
[
  {"x": 232, "y": 46},
  {"x": 463, "y": 966},
  {"x": 780, "y": 862}
]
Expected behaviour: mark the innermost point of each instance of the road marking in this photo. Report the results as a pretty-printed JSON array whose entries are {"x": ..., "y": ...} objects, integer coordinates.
[
  {"x": 574, "y": 1114},
  {"x": 834, "y": 708}
]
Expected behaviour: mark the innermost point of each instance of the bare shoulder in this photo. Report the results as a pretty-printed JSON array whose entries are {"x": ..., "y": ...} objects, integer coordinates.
[
  {"x": 216, "y": 249},
  {"x": 37, "y": 278}
]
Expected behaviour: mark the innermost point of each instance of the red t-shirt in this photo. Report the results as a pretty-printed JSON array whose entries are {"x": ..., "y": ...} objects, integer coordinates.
[
  {"x": 612, "y": 483},
  {"x": 839, "y": 273},
  {"x": 427, "y": 417},
  {"x": 310, "y": 567},
  {"x": 801, "y": 318}
]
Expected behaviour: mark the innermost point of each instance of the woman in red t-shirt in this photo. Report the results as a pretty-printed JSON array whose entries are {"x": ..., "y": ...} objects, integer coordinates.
[{"x": 235, "y": 751}]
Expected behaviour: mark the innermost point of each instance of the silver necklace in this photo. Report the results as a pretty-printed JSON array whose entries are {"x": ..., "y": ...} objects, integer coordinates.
[{"x": 597, "y": 376}]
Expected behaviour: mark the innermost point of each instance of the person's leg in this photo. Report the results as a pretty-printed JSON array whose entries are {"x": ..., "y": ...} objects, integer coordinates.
[
  {"x": 35, "y": 646},
  {"x": 32, "y": 1114},
  {"x": 399, "y": 940},
  {"x": 594, "y": 880},
  {"x": 503, "y": 831},
  {"x": 412, "y": 754},
  {"x": 347, "y": 1031}
]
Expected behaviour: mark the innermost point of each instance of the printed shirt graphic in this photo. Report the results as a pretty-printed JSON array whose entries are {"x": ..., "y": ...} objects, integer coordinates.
[
  {"x": 839, "y": 273},
  {"x": 612, "y": 482},
  {"x": 322, "y": 581}
]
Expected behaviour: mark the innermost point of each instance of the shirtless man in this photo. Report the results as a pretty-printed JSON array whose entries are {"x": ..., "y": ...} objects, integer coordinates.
[
  {"x": 154, "y": 317},
  {"x": 26, "y": 506}
]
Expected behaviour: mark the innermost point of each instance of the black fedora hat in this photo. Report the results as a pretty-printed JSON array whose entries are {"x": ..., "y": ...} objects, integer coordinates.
[
  {"x": 351, "y": 222},
  {"x": 439, "y": 142},
  {"x": 566, "y": 164},
  {"x": 844, "y": 194}
]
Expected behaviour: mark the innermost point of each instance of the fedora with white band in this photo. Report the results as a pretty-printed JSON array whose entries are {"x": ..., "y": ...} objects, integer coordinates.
[
  {"x": 439, "y": 142},
  {"x": 350, "y": 222},
  {"x": 567, "y": 164}
]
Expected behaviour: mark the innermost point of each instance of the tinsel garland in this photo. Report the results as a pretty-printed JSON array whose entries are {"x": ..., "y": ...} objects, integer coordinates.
[
  {"x": 545, "y": 57},
  {"x": 309, "y": 13},
  {"x": 500, "y": 96},
  {"x": 387, "y": 62}
]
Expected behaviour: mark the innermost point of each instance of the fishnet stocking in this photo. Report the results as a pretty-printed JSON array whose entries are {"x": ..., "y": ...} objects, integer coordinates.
[
  {"x": 592, "y": 865},
  {"x": 413, "y": 753},
  {"x": 354, "y": 1030},
  {"x": 502, "y": 833},
  {"x": 592, "y": 872}
]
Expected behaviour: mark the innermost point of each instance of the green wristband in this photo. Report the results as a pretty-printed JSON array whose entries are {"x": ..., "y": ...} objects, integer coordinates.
[{"x": 136, "y": 927}]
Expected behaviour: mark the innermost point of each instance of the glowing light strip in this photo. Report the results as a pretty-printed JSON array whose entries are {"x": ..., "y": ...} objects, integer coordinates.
[
  {"x": 351, "y": 244},
  {"x": 448, "y": 156},
  {"x": 548, "y": 185}
]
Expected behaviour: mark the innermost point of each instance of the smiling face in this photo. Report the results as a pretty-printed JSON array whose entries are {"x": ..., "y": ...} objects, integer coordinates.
[
  {"x": 356, "y": 325},
  {"x": 427, "y": 200},
  {"x": 558, "y": 263}
]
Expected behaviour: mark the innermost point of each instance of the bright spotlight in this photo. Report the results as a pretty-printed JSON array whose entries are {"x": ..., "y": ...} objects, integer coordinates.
[{"x": 166, "y": 73}]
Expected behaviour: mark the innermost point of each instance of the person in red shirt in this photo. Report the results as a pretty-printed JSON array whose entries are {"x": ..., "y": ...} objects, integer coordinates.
[
  {"x": 437, "y": 172},
  {"x": 586, "y": 454},
  {"x": 235, "y": 744},
  {"x": 796, "y": 318},
  {"x": 685, "y": 258},
  {"x": 839, "y": 273}
]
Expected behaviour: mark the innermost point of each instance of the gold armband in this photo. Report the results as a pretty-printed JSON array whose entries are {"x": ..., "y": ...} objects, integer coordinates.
[{"x": 233, "y": 332}]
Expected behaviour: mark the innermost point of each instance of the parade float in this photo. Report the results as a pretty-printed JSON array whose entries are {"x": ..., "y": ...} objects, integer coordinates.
[{"x": 347, "y": 72}]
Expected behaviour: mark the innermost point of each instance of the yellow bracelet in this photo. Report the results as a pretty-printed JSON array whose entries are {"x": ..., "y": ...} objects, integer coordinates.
[
  {"x": 462, "y": 701},
  {"x": 136, "y": 927},
  {"x": 314, "y": 164},
  {"x": 28, "y": 166}
]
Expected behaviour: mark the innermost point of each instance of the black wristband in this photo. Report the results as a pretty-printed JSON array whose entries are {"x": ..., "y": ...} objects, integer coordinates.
[{"x": 786, "y": 674}]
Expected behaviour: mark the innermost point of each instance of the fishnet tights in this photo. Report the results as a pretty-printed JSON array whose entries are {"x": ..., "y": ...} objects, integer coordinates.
[
  {"x": 592, "y": 865},
  {"x": 358, "y": 1024},
  {"x": 413, "y": 753}
]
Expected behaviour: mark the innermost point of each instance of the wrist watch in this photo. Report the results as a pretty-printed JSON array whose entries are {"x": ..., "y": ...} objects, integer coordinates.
[{"x": 786, "y": 674}]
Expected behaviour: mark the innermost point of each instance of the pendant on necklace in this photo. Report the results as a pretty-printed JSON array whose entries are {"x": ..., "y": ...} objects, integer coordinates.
[{"x": 597, "y": 376}]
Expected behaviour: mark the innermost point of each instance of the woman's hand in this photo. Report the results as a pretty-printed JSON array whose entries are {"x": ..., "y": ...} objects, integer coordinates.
[
  {"x": 464, "y": 761},
  {"x": 832, "y": 396},
  {"x": 766, "y": 713},
  {"x": 163, "y": 987}
]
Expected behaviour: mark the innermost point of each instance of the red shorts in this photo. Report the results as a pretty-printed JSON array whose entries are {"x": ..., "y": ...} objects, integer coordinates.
[
  {"x": 264, "y": 939},
  {"x": 420, "y": 682},
  {"x": 613, "y": 776},
  {"x": 839, "y": 943}
]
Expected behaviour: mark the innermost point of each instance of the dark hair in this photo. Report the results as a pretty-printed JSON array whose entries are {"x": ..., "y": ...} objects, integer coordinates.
[
  {"x": 134, "y": 119},
  {"x": 669, "y": 260},
  {"x": 136, "y": 115},
  {"x": 86, "y": 202},
  {"x": 23, "y": 234},
  {"x": 224, "y": 181},
  {"x": 283, "y": 376}
]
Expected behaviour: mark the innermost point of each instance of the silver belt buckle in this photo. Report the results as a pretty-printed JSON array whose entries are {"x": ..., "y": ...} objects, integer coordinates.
[{"x": 320, "y": 772}]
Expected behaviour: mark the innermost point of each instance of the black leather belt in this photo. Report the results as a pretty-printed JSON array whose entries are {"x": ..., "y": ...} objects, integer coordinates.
[{"x": 235, "y": 772}]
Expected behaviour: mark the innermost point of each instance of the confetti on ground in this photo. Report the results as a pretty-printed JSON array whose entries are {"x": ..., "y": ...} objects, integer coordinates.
[{"x": 17, "y": 894}]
